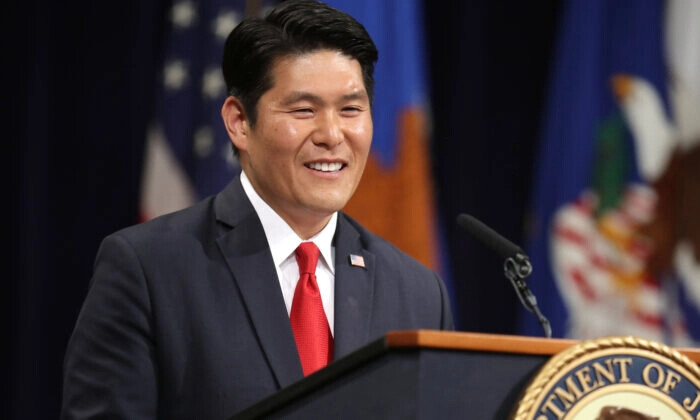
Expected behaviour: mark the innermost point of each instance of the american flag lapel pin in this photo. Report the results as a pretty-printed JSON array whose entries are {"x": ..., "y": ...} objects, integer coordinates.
[{"x": 357, "y": 260}]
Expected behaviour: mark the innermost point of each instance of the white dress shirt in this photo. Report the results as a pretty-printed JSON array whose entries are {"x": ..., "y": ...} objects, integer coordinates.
[{"x": 283, "y": 241}]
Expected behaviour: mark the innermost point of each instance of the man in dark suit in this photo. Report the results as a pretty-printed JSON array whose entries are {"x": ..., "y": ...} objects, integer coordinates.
[{"x": 200, "y": 313}]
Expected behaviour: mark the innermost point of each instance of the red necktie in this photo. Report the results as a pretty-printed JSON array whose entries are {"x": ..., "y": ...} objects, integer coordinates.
[{"x": 309, "y": 324}]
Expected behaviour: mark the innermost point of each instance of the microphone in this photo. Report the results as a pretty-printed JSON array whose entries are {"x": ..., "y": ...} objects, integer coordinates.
[
  {"x": 488, "y": 236},
  {"x": 516, "y": 266}
]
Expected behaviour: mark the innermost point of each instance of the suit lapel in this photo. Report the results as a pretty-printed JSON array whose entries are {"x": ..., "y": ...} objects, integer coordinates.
[
  {"x": 354, "y": 290},
  {"x": 248, "y": 256}
]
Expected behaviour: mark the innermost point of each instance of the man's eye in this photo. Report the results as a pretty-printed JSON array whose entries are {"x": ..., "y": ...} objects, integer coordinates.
[
  {"x": 351, "y": 110},
  {"x": 303, "y": 111}
]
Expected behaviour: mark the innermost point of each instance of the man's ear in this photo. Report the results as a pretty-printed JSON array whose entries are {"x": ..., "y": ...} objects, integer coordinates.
[{"x": 236, "y": 122}]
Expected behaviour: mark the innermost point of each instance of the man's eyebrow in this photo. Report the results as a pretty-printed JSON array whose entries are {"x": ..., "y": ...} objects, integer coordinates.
[
  {"x": 358, "y": 95},
  {"x": 299, "y": 96}
]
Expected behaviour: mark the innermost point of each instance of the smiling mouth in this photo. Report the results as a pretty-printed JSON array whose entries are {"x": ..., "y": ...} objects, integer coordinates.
[{"x": 325, "y": 166}]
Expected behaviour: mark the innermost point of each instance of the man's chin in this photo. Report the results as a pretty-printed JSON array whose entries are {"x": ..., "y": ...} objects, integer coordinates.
[{"x": 324, "y": 208}]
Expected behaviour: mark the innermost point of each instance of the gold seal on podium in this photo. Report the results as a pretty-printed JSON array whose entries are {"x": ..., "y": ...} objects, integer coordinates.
[{"x": 614, "y": 378}]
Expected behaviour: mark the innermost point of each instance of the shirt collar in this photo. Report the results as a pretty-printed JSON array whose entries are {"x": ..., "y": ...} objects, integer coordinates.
[{"x": 281, "y": 238}]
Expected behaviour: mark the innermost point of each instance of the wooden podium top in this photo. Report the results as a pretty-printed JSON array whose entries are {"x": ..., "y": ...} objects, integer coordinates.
[
  {"x": 491, "y": 342},
  {"x": 399, "y": 341}
]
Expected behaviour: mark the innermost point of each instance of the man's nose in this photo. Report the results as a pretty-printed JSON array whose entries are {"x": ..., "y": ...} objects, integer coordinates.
[{"x": 329, "y": 131}]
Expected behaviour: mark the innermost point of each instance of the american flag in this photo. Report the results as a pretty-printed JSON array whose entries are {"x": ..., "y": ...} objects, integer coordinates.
[
  {"x": 357, "y": 260},
  {"x": 188, "y": 153}
]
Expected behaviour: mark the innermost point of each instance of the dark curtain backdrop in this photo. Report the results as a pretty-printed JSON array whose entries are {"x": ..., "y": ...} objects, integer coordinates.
[
  {"x": 79, "y": 85},
  {"x": 84, "y": 89},
  {"x": 489, "y": 64}
]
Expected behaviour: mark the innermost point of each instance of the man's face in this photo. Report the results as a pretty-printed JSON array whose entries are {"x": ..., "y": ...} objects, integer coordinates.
[{"x": 310, "y": 143}]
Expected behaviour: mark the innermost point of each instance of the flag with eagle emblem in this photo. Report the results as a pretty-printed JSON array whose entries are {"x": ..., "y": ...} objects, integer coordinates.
[{"x": 614, "y": 242}]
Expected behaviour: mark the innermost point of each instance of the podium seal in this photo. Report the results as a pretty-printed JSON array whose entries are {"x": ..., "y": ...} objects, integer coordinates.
[{"x": 614, "y": 378}]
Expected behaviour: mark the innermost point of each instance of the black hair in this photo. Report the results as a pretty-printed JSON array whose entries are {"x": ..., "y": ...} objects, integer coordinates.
[{"x": 293, "y": 27}]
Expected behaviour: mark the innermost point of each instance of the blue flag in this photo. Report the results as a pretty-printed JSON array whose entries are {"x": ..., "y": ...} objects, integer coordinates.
[
  {"x": 603, "y": 246},
  {"x": 398, "y": 174}
]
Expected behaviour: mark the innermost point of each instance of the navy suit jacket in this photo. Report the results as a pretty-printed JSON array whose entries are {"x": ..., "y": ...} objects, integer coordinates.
[{"x": 185, "y": 316}]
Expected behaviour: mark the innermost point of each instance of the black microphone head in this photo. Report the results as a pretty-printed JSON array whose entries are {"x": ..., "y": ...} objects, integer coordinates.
[{"x": 488, "y": 236}]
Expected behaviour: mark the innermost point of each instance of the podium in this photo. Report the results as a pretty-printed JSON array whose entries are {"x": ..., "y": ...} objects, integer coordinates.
[{"x": 420, "y": 374}]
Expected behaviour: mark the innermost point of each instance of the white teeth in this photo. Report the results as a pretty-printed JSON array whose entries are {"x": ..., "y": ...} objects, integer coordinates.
[{"x": 326, "y": 167}]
